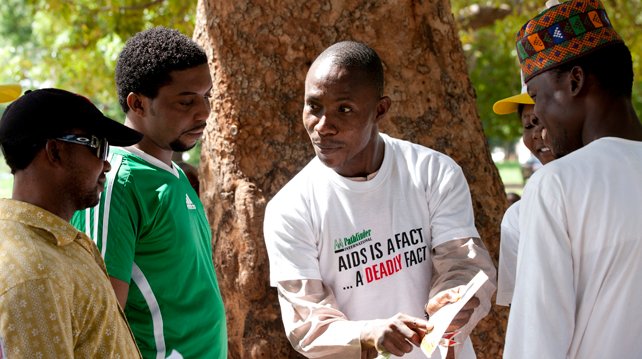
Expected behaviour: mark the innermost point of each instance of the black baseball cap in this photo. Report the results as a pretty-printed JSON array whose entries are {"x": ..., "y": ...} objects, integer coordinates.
[{"x": 47, "y": 113}]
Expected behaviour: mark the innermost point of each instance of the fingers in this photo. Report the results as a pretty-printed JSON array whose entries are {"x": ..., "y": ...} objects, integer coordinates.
[
  {"x": 394, "y": 343},
  {"x": 369, "y": 353},
  {"x": 450, "y": 296},
  {"x": 464, "y": 314},
  {"x": 420, "y": 328},
  {"x": 395, "y": 335},
  {"x": 442, "y": 298},
  {"x": 471, "y": 304}
]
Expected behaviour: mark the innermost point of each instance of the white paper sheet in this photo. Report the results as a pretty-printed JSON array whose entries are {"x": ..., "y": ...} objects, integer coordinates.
[{"x": 442, "y": 318}]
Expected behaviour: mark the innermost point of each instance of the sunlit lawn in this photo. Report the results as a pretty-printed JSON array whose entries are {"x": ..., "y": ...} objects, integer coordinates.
[{"x": 511, "y": 174}]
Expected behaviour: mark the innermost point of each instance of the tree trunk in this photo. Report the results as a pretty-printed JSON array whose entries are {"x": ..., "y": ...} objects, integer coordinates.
[{"x": 255, "y": 142}]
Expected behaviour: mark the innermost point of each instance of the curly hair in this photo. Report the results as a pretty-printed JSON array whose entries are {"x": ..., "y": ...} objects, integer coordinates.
[
  {"x": 353, "y": 54},
  {"x": 145, "y": 63}
]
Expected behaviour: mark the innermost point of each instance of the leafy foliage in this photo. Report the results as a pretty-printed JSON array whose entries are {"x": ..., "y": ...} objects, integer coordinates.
[
  {"x": 493, "y": 64},
  {"x": 74, "y": 44}
]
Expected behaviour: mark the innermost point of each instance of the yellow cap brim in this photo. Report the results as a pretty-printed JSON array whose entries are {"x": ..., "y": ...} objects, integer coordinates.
[
  {"x": 9, "y": 92},
  {"x": 510, "y": 104}
]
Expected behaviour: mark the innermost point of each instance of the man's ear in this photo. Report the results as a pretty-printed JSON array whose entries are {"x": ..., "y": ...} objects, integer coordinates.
[
  {"x": 382, "y": 107},
  {"x": 136, "y": 103},
  {"x": 52, "y": 151},
  {"x": 577, "y": 79}
]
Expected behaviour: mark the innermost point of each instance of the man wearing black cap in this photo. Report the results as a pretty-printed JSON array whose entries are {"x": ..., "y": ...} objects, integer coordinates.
[
  {"x": 579, "y": 260},
  {"x": 55, "y": 296}
]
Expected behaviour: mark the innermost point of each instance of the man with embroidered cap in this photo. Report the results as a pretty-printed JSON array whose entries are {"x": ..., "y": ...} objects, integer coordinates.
[
  {"x": 56, "y": 300},
  {"x": 578, "y": 269}
]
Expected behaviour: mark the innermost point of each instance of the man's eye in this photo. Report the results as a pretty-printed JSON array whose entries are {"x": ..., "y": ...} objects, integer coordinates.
[
  {"x": 345, "y": 109},
  {"x": 186, "y": 103}
]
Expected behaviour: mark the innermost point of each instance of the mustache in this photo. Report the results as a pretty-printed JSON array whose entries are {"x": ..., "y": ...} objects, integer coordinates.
[
  {"x": 322, "y": 142},
  {"x": 197, "y": 127}
]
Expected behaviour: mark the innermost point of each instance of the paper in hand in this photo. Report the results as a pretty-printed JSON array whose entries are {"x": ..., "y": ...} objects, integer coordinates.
[{"x": 442, "y": 318}]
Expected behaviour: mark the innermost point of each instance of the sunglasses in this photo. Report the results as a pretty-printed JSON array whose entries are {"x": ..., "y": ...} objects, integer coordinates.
[{"x": 100, "y": 145}]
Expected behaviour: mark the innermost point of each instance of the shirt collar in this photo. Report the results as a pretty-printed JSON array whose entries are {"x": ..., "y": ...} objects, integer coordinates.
[{"x": 63, "y": 232}]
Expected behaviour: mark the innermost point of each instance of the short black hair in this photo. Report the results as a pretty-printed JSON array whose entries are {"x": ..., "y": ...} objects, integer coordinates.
[
  {"x": 19, "y": 155},
  {"x": 148, "y": 58},
  {"x": 611, "y": 65},
  {"x": 357, "y": 55}
]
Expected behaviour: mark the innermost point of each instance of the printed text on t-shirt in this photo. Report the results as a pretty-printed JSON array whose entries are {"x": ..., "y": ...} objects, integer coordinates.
[{"x": 375, "y": 261}]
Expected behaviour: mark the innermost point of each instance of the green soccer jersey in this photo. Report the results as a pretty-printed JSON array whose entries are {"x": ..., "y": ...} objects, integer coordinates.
[{"x": 151, "y": 229}]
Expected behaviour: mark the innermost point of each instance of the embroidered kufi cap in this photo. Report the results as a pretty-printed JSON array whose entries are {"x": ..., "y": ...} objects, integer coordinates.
[{"x": 562, "y": 33}]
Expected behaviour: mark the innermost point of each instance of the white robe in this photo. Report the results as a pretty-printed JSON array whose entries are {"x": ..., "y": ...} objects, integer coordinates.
[{"x": 579, "y": 266}]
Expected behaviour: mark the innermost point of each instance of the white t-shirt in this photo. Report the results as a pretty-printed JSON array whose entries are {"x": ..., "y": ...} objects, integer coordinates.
[
  {"x": 370, "y": 242},
  {"x": 579, "y": 282},
  {"x": 509, "y": 240}
]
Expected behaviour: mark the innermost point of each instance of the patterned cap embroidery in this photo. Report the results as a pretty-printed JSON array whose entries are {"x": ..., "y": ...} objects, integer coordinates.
[{"x": 562, "y": 33}]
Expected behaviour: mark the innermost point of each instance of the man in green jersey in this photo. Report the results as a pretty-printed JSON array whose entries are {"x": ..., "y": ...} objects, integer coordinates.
[{"x": 150, "y": 224}]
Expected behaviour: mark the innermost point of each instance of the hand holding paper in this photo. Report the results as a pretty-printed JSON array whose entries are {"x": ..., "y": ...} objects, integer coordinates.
[
  {"x": 395, "y": 335},
  {"x": 443, "y": 318}
]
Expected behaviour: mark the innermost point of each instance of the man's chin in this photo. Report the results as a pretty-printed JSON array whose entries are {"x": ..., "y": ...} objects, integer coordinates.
[
  {"x": 89, "y": 203},
  {"x": 178, "y": 146}
]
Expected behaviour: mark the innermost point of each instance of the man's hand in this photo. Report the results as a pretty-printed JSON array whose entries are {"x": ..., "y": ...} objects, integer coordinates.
[
  {"x": 395, "y": 335},
  {"x": 451, "y": 296}
]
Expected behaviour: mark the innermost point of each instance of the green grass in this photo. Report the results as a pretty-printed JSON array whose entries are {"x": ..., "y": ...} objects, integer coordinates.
[{"x": 511, "y": 174}]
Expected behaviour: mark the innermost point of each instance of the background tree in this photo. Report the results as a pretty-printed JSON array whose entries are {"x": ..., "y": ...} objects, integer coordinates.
[
  {"x": 255, "y": 142},
  {"x": 74, "y": 44},
  {"x": 487, "y": 31}
]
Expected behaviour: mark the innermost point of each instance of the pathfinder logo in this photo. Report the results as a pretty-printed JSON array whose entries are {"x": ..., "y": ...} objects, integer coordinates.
[
  {"x": 354, "y": 240},
  {"x": 338, "y": 245}
]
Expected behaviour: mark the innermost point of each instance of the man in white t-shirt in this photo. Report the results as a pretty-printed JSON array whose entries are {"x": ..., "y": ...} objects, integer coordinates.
[
  {"x": 374, "y": 230},
  {"x": 578, "y": 267}
]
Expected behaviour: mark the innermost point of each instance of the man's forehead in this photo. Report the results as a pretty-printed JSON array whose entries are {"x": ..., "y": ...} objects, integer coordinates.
[{"x": 330, "y": 72}]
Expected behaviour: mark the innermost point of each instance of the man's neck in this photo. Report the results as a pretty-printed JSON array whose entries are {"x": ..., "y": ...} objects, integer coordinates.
[
  {"x": 155, "y": 151},
  {"x": 616, "y": 119}
]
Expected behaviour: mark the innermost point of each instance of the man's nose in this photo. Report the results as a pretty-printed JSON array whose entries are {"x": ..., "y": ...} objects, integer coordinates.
[
  {"x": 325, "y": 126},
  {"x": 106, "y": 166},
  {"x": 204, "y": 109}
]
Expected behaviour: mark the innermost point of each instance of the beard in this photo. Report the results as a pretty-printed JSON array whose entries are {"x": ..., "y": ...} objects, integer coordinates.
[
  {"x": 179, "y": 146},
  {"x": 86, "y": 199}
]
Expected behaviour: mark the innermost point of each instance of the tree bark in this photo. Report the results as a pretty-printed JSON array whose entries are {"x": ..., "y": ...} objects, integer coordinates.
[{"x": 259, "y": 53}]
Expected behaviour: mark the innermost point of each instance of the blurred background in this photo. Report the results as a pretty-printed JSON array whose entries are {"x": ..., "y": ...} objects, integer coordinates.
[{"x": 74, "y": 45}]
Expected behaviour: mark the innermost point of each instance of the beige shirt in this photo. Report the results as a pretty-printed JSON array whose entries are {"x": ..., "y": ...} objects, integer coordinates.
[
  {"x": 56, "y": 300},
  {"x": 318, "y": 329}
]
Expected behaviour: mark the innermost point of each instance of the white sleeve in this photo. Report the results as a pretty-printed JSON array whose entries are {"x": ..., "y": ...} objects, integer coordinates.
[
  {"x": 290, "y": 242},
  {"x": 542, "y": 316},
  {"x": 509, "y": 241},
  {"x": 450, "y": 205},
  {"x": 313, "y": 323}
]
